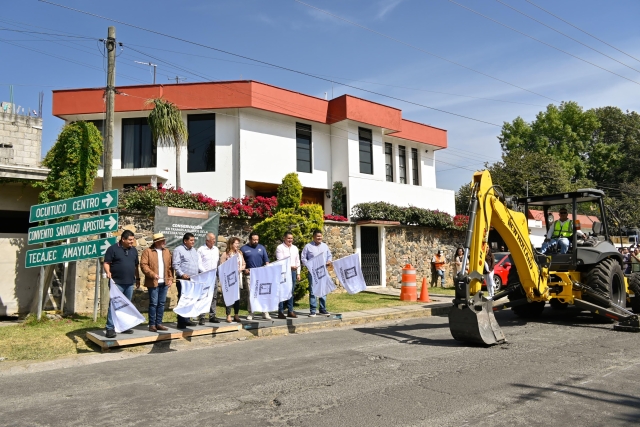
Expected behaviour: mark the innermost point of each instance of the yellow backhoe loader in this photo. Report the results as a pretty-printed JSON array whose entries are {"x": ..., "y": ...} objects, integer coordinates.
[{"x": 589, "y": 275}]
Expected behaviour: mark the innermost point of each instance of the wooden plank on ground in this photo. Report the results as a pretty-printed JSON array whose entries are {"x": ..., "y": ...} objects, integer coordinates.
[{"x": 141, "y": 335}]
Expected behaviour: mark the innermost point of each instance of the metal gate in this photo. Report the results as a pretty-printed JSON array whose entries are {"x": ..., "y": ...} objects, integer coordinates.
[{"x": 370, "y": 252}]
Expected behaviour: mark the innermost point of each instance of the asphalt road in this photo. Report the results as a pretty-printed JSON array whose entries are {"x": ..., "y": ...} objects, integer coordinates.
[{"x": 569, "y": 371}]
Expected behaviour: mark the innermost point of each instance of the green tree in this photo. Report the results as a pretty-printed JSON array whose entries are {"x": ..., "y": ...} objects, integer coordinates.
[
  {"x": 463, "y": 196},
  {"x": 73, "y": 161},
  {"x": 168, "y": 129},
  {"x": 300, "y": 220},
  {"x": 564, "y": 132},
  {"x": 290, "y": 191}
]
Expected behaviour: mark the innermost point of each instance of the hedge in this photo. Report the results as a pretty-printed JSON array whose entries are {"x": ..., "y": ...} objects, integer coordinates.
[{"x": 410, "y": 215}]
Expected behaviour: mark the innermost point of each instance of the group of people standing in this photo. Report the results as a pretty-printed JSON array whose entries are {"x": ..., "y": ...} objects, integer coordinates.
[
  {"x": 161, "y": 269},
  {"x": 631, "y": 259}
]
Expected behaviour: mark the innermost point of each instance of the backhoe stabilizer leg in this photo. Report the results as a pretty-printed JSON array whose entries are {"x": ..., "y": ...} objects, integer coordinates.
[
  {"x": 625, "y": 322},
  {"x": 475, "y": 324}
]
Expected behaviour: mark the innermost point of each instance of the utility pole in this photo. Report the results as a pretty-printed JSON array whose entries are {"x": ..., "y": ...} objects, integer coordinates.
[
  {"x": 111, "y": 92},
  {"x": 102, "y": 290}
]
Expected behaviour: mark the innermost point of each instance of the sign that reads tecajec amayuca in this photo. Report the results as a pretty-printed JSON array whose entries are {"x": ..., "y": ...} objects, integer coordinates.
[
  {"x": 65, "y": 253},
  {"x": 71, "y": 229},
  {"x": 74, "y": 206},
  {"x": 175, "y": 222}
]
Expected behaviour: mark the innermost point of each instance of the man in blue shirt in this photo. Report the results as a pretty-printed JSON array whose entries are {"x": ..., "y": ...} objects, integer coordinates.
[
  {"x": 255, "y": 255},
  {"x": 185, "y": 264},
  {"x": 315, "y": 248},
  {"x": 121, "y": 266}
]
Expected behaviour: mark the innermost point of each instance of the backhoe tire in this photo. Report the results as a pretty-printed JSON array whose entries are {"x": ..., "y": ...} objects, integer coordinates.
[
  {"x": 608, "y": 278},
  {"x": 526, "y": 311},
  {"x": 634, "y": 286}
]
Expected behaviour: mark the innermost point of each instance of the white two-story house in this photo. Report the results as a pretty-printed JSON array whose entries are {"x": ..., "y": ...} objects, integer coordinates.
[{"x": 244, "y": 136}]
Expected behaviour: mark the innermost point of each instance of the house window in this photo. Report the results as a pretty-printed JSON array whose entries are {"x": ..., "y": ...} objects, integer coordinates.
[
  {"x": 138, "y": 150},
  {"x": 388, "y": 161},
  {"x": 402, "y": 166},
  {"x": 303, "y": 147},
  {"x": 201, "y": 147},
  {"x": 414, "y": 166},
  {"x": 366, "y": 151}
]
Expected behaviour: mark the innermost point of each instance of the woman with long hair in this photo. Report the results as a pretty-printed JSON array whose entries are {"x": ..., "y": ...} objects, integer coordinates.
[{"x": 233, "y": 248}]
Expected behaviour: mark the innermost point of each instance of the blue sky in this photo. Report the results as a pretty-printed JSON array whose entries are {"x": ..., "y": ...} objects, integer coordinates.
[{"x": 288, "y": 33}]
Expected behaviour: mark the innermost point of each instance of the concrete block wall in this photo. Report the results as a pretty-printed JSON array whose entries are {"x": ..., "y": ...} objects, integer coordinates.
[{"x": 20, "y": 139}]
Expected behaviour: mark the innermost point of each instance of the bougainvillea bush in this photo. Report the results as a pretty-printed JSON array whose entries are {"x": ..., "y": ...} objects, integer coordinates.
[
  {"x": 145, "y": 199},
  {"x": 336, "y": 218}
]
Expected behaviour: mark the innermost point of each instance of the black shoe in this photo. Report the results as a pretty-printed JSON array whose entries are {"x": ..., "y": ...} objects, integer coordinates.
[
  {"x": 190, "y": 323},
  {"x": 201, "y": 321},
  {"x": 324, "y": 312},
  {"x": 182, "y": 326},
  {"x": 128, "y": 331},
  {"x": 111, "y": 333},
  {"x": 214, "y": 320}
]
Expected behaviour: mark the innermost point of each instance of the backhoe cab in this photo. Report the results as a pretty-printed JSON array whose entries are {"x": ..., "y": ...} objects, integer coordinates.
[{"x": 588, "y": 276}]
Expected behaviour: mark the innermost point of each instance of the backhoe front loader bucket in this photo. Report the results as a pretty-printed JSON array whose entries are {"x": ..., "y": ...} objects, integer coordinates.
[{"x": 475, "y": 324}]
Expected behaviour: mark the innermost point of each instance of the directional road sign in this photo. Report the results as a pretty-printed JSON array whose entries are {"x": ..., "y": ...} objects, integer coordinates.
[
  {"x": 74, "y": 206},
  {"x": 71, "y": 229},
  {"x": 64, "y": 253}
]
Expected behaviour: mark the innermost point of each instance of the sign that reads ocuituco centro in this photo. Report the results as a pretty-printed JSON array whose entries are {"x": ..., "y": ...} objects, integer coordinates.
[{"x": 74, "y": 206}]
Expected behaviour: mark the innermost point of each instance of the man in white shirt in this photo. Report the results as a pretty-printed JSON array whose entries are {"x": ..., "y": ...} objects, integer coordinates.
[
  {"x": 560, "y": 232},
  {"x": 208, "y": 257},
  {"x": 288, "y": 250}
]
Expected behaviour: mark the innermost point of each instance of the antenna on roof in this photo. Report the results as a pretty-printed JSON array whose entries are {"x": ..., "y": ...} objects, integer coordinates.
[
  {"x": 178, "y": 79},
  {"x": 155, "y": 66}
]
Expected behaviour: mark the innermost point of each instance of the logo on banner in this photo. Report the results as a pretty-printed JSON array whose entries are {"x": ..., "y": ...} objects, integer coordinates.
[
  {"x": 119, "y": 303},
  {"x": 283, "y": 278},
  {"x": 232, "y": 279},
  {"x": 204, "y": 293},
  {"x": 265, "y": 289},
  {"x": 349, "y": 273},
  {"x": 320, "y": 272}
]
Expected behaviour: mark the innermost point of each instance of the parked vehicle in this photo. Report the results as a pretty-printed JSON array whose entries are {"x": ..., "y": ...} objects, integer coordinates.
[{"x": 501, "y": 270}]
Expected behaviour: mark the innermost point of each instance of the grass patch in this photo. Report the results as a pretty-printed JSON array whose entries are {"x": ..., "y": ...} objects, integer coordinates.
[{"x": 49, "y": 339}]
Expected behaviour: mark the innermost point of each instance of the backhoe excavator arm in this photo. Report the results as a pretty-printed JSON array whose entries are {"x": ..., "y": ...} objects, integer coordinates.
[{"x": 471, "y": 319}]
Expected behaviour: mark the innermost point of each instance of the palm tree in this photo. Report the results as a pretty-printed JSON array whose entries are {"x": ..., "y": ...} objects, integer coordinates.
[{"x": 168, "y": 128}]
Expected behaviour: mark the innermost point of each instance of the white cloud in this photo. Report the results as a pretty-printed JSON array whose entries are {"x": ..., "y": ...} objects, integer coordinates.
[{"x": 386, "y": 7}]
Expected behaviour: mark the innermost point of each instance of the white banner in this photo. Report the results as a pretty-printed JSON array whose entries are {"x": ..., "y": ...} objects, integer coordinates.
[
  {"x": 349, "y": 273},
  {"x": 263, "y": 290},
  {"x": 124, "y": 314},
  {"x": 196, "y": 297},
  {"x": 322, "y": 283},
  {"x": 230, "y": 280},
  {"x": 285, "y": 290}
]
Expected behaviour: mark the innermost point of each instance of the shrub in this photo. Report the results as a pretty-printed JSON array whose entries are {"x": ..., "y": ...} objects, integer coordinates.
[
  {"x": 145, "y": 199},
  {"x": 411, "y": 215},
  {"x": 289, "y": 192},
  {"x": 336, "y": 200}
]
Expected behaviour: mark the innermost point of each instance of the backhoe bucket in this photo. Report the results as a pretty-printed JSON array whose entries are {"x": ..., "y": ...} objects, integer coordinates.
[{"x": 478, "y": 327}]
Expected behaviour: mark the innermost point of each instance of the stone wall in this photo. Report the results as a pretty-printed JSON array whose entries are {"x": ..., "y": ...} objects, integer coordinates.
[
  {"x": 20, "y": 139},
  {"x": 415, "y": 246}
]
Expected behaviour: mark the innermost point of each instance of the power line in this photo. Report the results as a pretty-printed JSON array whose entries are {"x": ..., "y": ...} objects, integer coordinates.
[
  {"x": 539, "y": 41},
  {"x": 48, "y": 34},
  {"x": 566, "y": 35},
  {"x": 581, "y": 30},
  {"x": 268, "y": 63},
  {"x": 417, "y": 48},
  {"x": 336, "y": 77}
]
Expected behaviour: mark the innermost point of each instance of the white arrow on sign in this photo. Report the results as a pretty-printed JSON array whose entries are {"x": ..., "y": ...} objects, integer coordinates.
[
  {"x": 107, "y": 200},
  {"x": 110, "y": 222},
  {"x": 104, "y": 247}
]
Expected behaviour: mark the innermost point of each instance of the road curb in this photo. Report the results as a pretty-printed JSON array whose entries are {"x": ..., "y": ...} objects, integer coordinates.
[{"x": 436, "y": 310}]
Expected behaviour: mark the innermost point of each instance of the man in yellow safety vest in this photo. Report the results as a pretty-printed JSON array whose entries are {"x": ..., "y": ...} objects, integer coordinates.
[{"x": 560, "y": 232}]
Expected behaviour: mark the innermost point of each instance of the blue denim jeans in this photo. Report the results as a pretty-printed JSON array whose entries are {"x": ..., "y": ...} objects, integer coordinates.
[
  {"x": 312, "y": 299},
  {"x": 127, "y": 290},
  {"x": 563, "y": 244},
  {"x": 294, "y": 276},
  {"x": 157, "y": 300},
  {"x": 440, "y": 274}
]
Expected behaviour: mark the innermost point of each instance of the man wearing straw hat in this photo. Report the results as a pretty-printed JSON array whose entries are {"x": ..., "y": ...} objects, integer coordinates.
[{"x": 155, "y": 262}]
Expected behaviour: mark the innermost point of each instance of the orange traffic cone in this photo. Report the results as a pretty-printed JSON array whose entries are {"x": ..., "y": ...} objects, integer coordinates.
[{"x": 424, "y": 293}]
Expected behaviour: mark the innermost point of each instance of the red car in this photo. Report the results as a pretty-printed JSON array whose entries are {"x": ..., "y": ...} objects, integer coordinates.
[{"x": 501, "y": 270}]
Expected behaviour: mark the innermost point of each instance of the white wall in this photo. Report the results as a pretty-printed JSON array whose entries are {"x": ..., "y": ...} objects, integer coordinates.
[{"x": 363, "y": 190}]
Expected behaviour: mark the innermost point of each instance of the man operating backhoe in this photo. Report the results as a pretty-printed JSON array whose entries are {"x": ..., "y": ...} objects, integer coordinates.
[{"x": 559, "y": 233}]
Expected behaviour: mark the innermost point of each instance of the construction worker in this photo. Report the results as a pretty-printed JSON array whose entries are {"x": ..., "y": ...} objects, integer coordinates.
[
  {"x": 438, "y": 263},
  {"x": 560, "y": 232}
]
